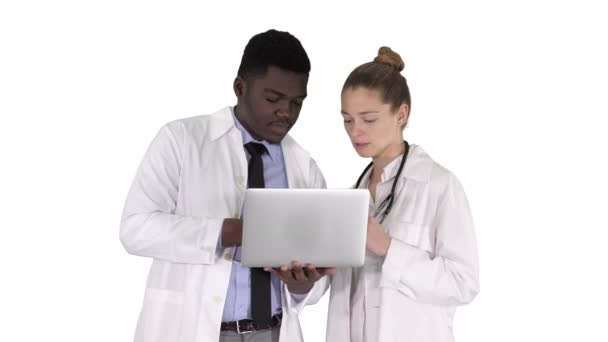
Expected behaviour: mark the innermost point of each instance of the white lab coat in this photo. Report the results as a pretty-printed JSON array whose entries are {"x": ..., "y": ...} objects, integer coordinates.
[
  {"x": 194, "y": 175},
  {"x": 431, "y": 266}
]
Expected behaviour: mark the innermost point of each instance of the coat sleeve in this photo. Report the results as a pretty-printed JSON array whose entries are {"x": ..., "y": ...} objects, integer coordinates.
[
  {"x": 449, "y": 276},
  {"x": 316, "y": 178},
  {"x": 149, "y": 226}
]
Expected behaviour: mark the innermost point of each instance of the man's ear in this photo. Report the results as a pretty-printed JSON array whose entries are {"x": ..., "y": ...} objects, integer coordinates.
[{"x": 239, "y": 86}]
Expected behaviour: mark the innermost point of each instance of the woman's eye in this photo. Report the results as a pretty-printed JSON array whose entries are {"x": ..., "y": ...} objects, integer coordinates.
[
  {"x": 369, "y": 121},
  {"x": 272, "y": 100}
]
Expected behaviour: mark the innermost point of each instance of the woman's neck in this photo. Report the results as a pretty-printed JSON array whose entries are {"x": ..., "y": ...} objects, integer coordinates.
[{"x": 384, "y": 158}]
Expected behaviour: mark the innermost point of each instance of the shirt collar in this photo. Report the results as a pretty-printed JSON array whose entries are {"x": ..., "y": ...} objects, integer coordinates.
[{"x": 274, "y": 150}]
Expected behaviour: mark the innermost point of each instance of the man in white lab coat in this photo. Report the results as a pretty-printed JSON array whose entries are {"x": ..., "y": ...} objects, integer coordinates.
[{"x": 184, "y": 207}]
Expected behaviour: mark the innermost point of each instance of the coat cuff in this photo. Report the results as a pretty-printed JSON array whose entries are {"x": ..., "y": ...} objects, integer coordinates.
[{"x": 209, "y": 241}]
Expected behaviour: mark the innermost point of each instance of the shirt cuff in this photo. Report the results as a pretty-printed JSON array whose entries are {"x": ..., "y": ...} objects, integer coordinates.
[{"x": 298, "y": 297}]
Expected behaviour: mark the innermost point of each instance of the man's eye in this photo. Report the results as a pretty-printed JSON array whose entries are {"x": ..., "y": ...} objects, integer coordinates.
[
  {"x": 369, "y": 121},
  {"x": 272, "y": 100}
]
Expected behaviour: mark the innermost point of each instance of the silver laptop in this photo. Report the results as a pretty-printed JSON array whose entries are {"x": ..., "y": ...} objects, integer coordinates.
[{"x": 325, "y": 227}]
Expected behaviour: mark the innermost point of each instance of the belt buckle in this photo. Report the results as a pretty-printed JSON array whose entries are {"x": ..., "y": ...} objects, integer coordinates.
[{"x": 238, "y": 329}]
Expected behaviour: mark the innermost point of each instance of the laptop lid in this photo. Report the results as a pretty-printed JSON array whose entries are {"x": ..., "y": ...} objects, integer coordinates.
[{"x": 325, "y": 227}]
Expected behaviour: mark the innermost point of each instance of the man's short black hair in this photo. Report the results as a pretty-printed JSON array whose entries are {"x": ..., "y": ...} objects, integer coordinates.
[{"x": 277, "y": 48}]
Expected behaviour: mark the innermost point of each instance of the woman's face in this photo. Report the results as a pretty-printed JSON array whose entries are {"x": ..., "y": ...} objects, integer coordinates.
[{"x": 371, "y": 124}]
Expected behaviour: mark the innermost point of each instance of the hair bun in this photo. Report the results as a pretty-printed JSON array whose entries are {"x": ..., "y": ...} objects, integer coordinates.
[{"x": 390, "y": 57}]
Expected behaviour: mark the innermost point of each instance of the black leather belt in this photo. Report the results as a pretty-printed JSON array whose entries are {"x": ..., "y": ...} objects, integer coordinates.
[{"x": 246, "y": 325}]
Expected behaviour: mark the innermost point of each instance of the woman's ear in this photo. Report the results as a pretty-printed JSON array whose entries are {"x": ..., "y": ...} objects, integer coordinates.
[{"x": 403, "y": 114}]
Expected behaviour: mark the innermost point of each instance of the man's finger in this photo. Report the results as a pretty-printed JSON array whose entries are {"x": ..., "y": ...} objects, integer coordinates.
[
  {"x": 271, "y": 270},
  {"x": 312, "y": 273},
  {"x": 280, "y": 274},
  {"x": 298, "y": 272},
  {"x": 286, "y": 274}
]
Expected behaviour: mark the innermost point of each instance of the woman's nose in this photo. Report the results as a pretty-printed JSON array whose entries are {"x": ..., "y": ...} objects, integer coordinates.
[{"x": 356, "y": 129}]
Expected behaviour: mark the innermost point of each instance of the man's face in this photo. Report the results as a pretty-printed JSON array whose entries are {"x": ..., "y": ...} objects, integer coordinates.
[{"x": 269, "y": 104}]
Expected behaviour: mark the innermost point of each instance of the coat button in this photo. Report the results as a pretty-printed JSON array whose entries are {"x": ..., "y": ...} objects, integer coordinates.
[
  {"x": 240, "y": 180},
  {"x": 217, "y": 299},
  {"x": 228, "y": 256}
]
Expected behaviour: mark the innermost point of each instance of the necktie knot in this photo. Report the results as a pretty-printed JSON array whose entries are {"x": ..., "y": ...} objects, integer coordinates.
[
  {"x": 256, "y": 165},
  {"x": 255, "y": 149}
]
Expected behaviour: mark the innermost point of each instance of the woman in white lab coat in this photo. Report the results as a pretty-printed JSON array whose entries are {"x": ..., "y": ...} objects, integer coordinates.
[{"x": 421, "y": 261}]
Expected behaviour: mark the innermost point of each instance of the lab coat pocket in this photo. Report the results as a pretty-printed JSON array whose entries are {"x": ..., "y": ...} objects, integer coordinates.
[
  {"x": 161, "y": 316},
  {"x": 417, "y": 235}
]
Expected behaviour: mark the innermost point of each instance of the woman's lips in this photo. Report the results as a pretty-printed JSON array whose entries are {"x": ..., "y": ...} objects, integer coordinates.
[{"x": 360, "y": 145}]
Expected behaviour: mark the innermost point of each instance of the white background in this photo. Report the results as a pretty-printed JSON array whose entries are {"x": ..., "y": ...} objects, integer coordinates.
[{"x": 510, "y": 96}]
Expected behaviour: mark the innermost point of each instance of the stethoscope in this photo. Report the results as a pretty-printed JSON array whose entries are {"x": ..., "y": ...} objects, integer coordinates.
[{"x": 387, "y": 204}]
